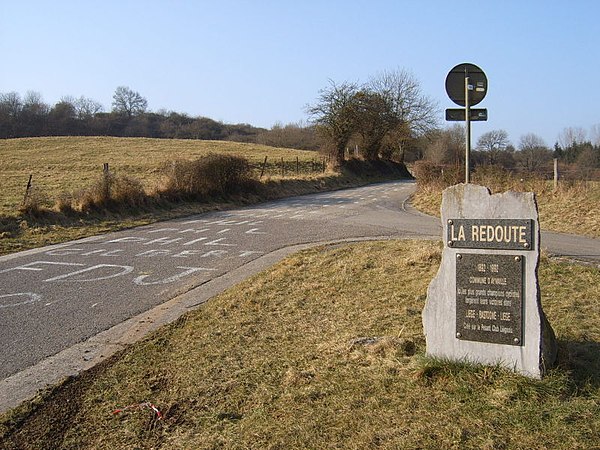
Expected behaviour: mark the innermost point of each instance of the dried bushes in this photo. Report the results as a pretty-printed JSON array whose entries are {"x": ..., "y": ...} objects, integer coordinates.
[
  {"x": 205, "y": 179},
  {"x": 35, "y": 202},
  {"x": 428, "y": 173},
  {"x": 358, "y": 168},
  {"x": 109, "y": 192},
  {"x": 210, "y": 176}
]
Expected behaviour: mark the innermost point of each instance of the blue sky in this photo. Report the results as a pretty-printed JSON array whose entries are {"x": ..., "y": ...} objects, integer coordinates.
[{"x": 261, "y": 62}]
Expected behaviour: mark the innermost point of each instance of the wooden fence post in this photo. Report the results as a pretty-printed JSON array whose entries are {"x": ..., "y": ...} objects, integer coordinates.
[
  {"x": 282, "y": 167},
  {"x": 27, "y": 189},
  {"x": 555, "y": 174},
  {"x": 106, "y": 183},
  {"x": 297, "y": 165},
  {"x": 264, "y": 165}
]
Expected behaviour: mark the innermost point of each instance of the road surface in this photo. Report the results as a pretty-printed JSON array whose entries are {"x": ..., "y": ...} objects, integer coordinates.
[{"x": 63, "y": 308}]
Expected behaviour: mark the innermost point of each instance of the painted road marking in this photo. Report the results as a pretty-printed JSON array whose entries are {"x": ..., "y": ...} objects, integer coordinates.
[
  {"x": 189, "y": 270},
  {"x": 29, "y": 297},
  {"x": 122, "y": 270},
  {"x": 31, "y": 266}
]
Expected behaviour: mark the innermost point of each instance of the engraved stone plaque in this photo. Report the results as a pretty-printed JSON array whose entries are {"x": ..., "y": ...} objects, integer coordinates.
[
  {"x": 489, "y": 298},
  {"x": 499, "y": 234},
  {"x": 484, "y": 304}
]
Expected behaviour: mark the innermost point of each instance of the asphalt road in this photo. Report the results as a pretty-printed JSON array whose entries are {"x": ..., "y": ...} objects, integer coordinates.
[{"x": 58, "y": 298}]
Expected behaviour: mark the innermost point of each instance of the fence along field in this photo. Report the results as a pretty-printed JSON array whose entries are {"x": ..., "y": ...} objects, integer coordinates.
[
  {"x": 67, "y": 164},
  {"x": 572, "y": 206},
  {"x": 71, "y": 176}
]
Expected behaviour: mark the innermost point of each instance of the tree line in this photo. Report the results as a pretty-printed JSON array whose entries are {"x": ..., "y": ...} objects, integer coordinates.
[
  {"x": 577, "y": 152},
  {"x": 30, "y": 116},
  {"x": 388, "y": 117}
]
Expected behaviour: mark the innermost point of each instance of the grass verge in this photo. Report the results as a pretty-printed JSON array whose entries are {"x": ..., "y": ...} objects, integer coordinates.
[
  {"x": 573, "y": 208},
  {"x": 325, "y": 351}
]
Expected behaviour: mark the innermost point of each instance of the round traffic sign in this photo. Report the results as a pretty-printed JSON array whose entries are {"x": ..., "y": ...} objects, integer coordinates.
[{"x": 455, "y": 84}]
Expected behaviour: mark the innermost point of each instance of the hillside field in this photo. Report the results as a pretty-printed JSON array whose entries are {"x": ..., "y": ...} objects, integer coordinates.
[
  {"x": 66, "y": 164},
  {"x": 65, "y": 169}
]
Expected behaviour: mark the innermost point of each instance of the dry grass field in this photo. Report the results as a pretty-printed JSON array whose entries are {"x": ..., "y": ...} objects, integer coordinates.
[
  {"x": 325, "y": 350},
  {"x": 70, "y": 167},
  {"x": 573, "y": 208},
  {"x": 67, "y": 164}
]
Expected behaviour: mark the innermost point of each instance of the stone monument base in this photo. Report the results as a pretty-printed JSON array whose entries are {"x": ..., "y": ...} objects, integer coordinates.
[{"x": 484, "y": 306}]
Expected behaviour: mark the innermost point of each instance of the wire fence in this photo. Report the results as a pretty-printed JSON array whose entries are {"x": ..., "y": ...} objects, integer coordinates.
[{"x": 280, "y": 167}]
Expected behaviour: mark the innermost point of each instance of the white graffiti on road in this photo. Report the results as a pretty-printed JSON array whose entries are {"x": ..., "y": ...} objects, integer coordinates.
[
  {"x": 29, "y": 297},
  {"x": 100, "y": 272},
  {"x": 189, "y": 270},
  {"x": 74, "y": 276}
]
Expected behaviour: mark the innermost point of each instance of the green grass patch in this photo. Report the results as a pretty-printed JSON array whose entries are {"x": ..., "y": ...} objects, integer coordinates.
[{"x": 325, "y": 350}]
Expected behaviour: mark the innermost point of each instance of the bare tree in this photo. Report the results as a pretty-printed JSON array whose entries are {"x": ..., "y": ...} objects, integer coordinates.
[
  {"x": 334, "y": 116},
  {"x": 414, "y": 114},
  {"x": 128, "y": 102},
  {"x": 61, "y": 118},
  {"x": 86, "y": 108},
  {"x": 447, "y": 146},
  {"x": 403, "y": 92},
  {"x": 34, "y": 115},
  {"x": 10, "y": 109},
  {"x": 383, "y": 115},
  {"x": 587, "y": 162},
  {"x": 10, "y": 103},
  {"x": 533, "y": 152},
  {"x": 493, "y": 142},
  {"x": 64, "y": 109},
  {"x": 595, "y": 134},
  {"x": 33, "y": 104},
  {"x": 571, "y": 136}
]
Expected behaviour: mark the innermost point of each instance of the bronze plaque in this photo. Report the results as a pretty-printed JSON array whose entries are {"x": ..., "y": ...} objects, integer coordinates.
[
  {"x": 489, "y": 298},
  {"x": 499, "y": 234}
]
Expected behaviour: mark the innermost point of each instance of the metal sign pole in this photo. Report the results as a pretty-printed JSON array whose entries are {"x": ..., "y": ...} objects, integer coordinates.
[
  {"x": 466, "y": 85},
  {"x": 467, "y": 132}
]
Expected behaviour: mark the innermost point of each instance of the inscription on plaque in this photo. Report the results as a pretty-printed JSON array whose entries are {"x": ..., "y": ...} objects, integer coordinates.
[
  {"x": 489, "y": 298},
  {"x": 500, "y": 234}
]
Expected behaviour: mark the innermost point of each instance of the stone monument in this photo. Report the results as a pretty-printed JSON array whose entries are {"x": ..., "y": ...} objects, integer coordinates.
[{"x": 484, "y": 306}]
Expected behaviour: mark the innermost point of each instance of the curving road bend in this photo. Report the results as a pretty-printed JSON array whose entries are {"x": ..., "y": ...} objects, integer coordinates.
[{"x": 66, "y": 307}]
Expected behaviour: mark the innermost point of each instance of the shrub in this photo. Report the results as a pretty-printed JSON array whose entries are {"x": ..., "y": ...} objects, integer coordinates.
[
  {"x": 127, "y": 191},
  {"x": 427, "y": 172},
  {"x": 9, "y": 227},
  {"x": 64, "y": 203},
  {"x": 375, "y": 168},
  {"x": 207, "y": 176},
  {"x": 110, "y": 192},
  {"x": 35, "y": 203}
]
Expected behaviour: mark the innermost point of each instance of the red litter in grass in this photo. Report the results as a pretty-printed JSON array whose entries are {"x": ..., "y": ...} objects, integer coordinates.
[{"x": 141, "y": 406}]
